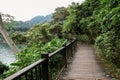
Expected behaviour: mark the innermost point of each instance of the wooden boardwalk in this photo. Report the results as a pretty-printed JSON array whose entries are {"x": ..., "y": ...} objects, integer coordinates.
[{"x": 84, "y": 65}]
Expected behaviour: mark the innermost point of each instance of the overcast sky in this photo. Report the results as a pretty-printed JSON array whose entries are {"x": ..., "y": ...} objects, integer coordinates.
[{"x": 27, "y": 9}]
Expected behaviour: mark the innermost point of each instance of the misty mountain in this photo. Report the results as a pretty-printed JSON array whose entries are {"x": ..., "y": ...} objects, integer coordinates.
[{"x": 35, "y": 20}]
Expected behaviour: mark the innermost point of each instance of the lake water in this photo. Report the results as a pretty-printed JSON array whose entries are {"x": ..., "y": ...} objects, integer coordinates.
[{"x": 6, "y": 54}]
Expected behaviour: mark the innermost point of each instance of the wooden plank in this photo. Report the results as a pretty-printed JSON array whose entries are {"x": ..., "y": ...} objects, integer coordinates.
[{"x": 7, "y": 38}]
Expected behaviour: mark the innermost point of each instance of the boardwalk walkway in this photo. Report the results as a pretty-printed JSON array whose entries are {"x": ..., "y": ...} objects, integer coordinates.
[{"x": 84, "y": 65}]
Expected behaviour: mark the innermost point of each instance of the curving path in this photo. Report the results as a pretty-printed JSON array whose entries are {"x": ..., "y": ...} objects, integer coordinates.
[{"x": 84, "y": 65}]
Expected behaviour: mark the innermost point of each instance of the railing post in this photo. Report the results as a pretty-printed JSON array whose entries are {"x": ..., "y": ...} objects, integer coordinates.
[
  {"x": 71, "y": 50},
  {"x": 71, "y": 47},
  {"x": 75, "y": 44},
  {"x": 45, "y": 67},
  {"x": 65, "y": 56}
]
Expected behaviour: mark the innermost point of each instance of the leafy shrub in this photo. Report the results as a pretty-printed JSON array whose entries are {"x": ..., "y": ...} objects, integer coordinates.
[
  {"x": 38, "y": 33},
  {"x": 83, "y": 38},
  {"x": 33, "y": 53},
  {"x": 104, "y": 44},
  {"x": 19, "y": 37},
  {"x": 108, "y": 48},
  {"x": 3, "y": 68}
]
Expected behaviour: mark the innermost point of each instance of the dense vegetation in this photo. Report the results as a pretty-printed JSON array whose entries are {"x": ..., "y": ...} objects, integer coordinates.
[
  {"x": 32, "y": 53},
  {"x": 3, "y": 68},
  {"x": 37, "y": 40},
  {"x": 97, "y": 21},
  {"x": 93, "y": 21}
]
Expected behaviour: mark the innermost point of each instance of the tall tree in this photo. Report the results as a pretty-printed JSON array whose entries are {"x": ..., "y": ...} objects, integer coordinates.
[
  {"x": 7, "y": 17},
  {"x": 72, "y": 22},
  {"x": 60, "y": 14},
  {"x": 9, "y": 22}
]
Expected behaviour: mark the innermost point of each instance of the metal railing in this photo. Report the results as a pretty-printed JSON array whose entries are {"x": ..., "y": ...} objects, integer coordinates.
[{"x": 48, "y": 67}]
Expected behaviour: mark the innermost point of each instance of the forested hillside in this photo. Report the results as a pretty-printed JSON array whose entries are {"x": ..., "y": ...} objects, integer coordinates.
[
  {"x": 35, "y": 20},
  {"x": 11, "y": 24}
]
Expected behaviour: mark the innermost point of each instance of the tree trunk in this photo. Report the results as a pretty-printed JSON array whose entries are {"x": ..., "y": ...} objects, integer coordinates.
[{"x": 7, "y": 38}]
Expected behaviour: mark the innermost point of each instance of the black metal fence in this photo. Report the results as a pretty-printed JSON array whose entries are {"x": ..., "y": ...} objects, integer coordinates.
[{"x": 49, "y": 67}]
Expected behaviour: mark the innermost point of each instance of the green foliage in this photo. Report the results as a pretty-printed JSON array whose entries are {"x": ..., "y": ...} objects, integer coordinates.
[
  {"x": 98, "y": 21},
  {"x": 93, "y": 21},
  {"x": 107, "y": 43},
  {"x": 39, "y": 39},
  {"x": 84, "y": 38},
  {"x": 90, "y": 26},
  {"x": 19, "y": 37},
  {"x": 88, "y": 7},
  {"x": 79, "y": 19},
  {"x": 32, "y": 53},
  {"x": 60, "y": 14},
  {"x": 39, "y": 32},
  {"x": 10, "y": 25},
  {"x": 3, "y": 68},
  {"x": 72, "y": 22},
  {"x": 56, "y": 29},
  {"x": 104, "y": 46}
]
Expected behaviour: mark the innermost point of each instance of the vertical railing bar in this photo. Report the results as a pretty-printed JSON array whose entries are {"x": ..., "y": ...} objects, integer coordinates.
[
  {"x": 26, "y": 76},
  {"x": 65, "y": 57},
  {"x": 71, "y": 51},
  {"x": 66, "y": 52},
  {"x": 20, "y": 78},
  {"x": 31, "y": 73},
  {"x": 36, "y": 74},
  {"x": 40, "y": 72},
  {"x": 51, "y": 74}
]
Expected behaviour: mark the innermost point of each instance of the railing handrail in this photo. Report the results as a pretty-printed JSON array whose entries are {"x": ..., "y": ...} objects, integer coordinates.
[
  {"x": 55, "y": 52},
  {"x": 30, "y": 67},
  {"x": 24, "y": 70}
]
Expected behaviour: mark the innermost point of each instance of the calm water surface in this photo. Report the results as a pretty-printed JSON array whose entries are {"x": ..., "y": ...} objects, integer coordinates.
[{"x": 6, "y": 54}]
